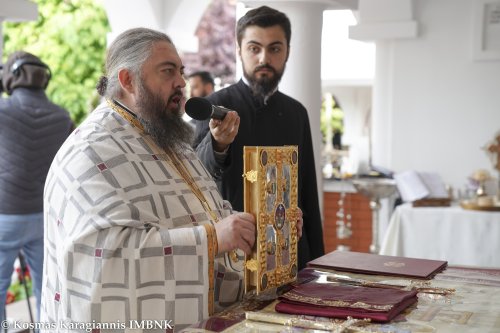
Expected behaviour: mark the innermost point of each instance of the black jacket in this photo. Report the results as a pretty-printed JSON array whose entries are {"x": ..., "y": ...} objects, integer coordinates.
[{"x": 31, "y": 131}]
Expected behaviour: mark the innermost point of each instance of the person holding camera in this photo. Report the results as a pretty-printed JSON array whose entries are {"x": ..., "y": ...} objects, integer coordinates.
[{"x": 32, "y": 129}]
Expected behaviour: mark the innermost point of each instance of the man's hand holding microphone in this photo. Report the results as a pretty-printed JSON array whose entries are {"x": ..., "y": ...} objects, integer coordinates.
[{"x": 224, "y": 123}]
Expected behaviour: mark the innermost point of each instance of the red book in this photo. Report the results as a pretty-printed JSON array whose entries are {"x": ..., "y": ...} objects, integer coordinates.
[
  {"x": 341, "y": 301},
  {"x": 366, "y": 263}
]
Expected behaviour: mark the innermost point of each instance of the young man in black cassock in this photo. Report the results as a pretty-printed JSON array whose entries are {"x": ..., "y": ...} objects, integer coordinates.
[{"x": 264, "y": 117}]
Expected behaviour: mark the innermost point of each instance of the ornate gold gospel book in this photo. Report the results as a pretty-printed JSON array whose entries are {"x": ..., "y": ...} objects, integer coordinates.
[{"x": 270, "y": 194}]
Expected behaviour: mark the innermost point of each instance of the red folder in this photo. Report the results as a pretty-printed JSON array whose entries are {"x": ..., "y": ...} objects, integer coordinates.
[
  {"x": 366, "y": 263},
  {"x": 341, "y": 301}
]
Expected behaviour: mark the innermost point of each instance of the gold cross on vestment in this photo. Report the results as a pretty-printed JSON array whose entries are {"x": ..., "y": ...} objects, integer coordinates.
[{"x": 494, "y": 149}]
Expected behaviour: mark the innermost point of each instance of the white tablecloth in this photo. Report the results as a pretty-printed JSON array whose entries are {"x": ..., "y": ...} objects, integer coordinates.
[{"x": 462, "y": 237}]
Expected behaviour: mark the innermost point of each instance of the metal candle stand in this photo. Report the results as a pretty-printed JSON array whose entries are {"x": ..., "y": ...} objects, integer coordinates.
[{"x": 375, "y": 189}]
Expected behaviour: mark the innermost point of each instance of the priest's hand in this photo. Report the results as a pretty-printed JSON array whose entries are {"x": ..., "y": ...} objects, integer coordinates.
[
  {"x": 224, "y": 131},
  {"x": 300, "y": 223},
  {"x": 236, "y": 231}
]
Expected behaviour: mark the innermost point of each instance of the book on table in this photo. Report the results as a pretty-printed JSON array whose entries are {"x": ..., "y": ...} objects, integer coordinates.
[
  {"x": 342, "y": 301},
  {"x": 423, "y": 189},
  {"x": 367, "y": 263}
]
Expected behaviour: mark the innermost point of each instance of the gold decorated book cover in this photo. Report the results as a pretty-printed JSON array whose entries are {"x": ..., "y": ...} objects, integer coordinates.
[{"x": 270, "y": 194}]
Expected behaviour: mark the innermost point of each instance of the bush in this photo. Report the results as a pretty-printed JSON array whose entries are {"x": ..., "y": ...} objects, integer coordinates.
[
  {"x": 16, "y": 291},
  {"x": 70, "y": 37}
]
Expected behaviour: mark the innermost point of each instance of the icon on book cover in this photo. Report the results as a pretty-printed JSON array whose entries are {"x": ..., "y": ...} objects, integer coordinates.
[{"x": 270, "y": 194}]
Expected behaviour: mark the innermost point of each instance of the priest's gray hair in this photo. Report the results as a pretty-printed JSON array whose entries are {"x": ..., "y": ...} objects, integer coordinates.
[{"x": 129, "y": 50}]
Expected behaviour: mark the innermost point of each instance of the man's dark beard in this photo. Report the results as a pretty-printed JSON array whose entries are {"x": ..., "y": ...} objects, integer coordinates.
[
  {"x": 166, "y": 127},
  {"x": 263, "y": 86}
]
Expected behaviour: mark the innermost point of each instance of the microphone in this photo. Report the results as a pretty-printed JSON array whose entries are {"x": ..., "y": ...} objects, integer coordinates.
[{"x": 200, "y": 108}]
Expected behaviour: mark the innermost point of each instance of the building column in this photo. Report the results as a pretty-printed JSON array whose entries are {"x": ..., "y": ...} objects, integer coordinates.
[
  {"x": 383, "y": 21},
  {"x": 176, "y": 18},
  {"x": 302, "y": 78}
]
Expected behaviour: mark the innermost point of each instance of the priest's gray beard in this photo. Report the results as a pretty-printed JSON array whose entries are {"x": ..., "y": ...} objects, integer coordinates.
[{"x": 166, "y": 126}]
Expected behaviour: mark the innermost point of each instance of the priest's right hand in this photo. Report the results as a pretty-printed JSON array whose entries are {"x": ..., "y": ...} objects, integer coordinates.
[
  {"x": 224, "y": 131},
  {"x": 237, "y": 231}
]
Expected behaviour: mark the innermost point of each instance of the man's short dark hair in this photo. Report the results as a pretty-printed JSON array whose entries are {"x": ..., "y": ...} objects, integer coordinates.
[
  {"x": 205, "y": 77},
  {"x": 264, "y": 17}
]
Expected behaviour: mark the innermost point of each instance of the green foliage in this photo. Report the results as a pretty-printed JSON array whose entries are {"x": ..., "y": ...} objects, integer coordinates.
[
  {"x": 17, "y": 291},
  {"x": 336, "y": 119},
  {"x": 69, "y": 36}
]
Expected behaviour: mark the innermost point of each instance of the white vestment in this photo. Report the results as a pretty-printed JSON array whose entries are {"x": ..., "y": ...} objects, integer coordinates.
[{"x": 125, "y": 236}]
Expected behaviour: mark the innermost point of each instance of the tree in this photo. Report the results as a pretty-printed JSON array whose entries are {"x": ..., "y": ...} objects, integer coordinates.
[
  {"x": 70, "y": 37},
  {"x": 216, "y": 36}
]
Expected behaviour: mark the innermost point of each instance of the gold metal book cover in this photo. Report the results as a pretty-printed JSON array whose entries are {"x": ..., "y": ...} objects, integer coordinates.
[{"x": 270, "y": 194}]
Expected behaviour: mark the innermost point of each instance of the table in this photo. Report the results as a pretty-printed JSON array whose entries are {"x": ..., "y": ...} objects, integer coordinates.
[
  {"x": 473, "y": 307},
  {"x": 460, "y": 236}
]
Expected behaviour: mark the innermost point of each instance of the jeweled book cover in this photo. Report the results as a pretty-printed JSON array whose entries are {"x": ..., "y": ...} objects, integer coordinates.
[{"x": 270, "y": 194}]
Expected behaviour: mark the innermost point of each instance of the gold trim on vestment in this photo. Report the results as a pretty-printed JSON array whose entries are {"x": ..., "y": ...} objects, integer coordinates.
[
  {"x": 132, "y": 119},
  {"x": 212, "y": 252},
  {"x": 178, "y": 165}
]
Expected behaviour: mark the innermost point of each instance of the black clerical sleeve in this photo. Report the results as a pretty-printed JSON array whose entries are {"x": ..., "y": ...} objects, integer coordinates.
[{"x": 204, "y": 149}]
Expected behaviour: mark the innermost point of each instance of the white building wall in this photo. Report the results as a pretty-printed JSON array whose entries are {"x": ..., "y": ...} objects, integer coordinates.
[{"x": 438, "y": 105}]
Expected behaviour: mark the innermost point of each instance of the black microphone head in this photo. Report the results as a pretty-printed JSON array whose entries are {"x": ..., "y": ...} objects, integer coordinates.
[{"x": 198, "y": 108}]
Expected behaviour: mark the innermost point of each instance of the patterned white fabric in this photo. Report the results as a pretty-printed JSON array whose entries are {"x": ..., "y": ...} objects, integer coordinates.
[{"x": 124, "y": 234}]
